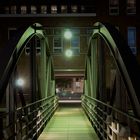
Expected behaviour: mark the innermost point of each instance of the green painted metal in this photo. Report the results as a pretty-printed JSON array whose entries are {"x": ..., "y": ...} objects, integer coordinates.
[
  {"x": 93, "y": 54},
  {"x": 69, "y": 123},
  {"x": 44, "y": 110},
  {"x": 28, "y": 117},
  {"x": 94, "y": 66},
  {"x": 98, "y": 117},
  {"x": 94, "y": 101},
  {"x": 24, "y": 39}
]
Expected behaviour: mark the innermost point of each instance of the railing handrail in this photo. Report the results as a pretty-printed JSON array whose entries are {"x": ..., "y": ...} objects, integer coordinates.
[
  {"x": 31, "y": 104},
  {"x": 28, "y": 105},
  {"x": 115, "y": 109}
]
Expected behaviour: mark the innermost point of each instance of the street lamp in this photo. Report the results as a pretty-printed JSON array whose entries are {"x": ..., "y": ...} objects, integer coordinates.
[
  {"x": 19, "y": 82},
  {"x": 68, "y": 36},
  {"x": 68, "y": 53}
]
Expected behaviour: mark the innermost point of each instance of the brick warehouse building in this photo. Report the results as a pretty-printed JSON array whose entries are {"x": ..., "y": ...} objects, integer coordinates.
[
  {"x": 79, "y": 16},
  {"x": 56, "y": 16}
]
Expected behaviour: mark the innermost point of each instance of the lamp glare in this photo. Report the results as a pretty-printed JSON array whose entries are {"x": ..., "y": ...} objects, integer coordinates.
[
  {"x": 69, "y": 53},
  {"x": 68, "y": 34},
  {"x": 20, "y": 82}
]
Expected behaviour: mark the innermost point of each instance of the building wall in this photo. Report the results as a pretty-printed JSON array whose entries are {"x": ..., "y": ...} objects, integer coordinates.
[{"x": 122, "y": 21}]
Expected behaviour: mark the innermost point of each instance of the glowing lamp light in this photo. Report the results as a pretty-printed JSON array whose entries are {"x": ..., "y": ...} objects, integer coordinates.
[
  {"x": 68, "y": 53},
  {"x": 68, "y": 34},
  {"x": 20, "y": 82}
]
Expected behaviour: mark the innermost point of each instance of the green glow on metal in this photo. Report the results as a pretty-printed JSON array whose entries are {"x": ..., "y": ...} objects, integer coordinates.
[
  {"x": 67, "y": 34},
  {"x": 69, "y": 53}
]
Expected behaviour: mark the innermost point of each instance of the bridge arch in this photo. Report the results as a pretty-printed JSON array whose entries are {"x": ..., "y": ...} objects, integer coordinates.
[{"x": 111, "y": 80}]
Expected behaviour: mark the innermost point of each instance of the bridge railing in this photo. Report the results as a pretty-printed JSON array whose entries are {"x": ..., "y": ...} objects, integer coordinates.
[
  {"x": 30, "y": 120},
  {"x": 27, "y": 84},
  {"x": 105, "y": 124}
]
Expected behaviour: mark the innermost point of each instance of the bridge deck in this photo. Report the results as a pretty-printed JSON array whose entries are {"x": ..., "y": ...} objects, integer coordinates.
[{"x": 69, "y": 123}]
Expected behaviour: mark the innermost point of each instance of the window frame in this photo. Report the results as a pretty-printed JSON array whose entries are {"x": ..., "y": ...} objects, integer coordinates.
[
  {"x": 131, "y": 8},
  {"x": 23, "y": 11},
  {"x": 13, "y": 9},
  {"x": 134, "y": 47},
  {"x": 113, "y": 7},
  {"x": 75, "y": 37},
  {"x": 55, "y": 10},
  {"x": 57, "y": 33},
  {"x": 33, "y": 9},
  {"x": 43, "y": 9}
]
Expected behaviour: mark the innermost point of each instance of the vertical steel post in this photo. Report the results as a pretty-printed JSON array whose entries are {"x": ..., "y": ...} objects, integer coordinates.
[{"x": 33, "y": 84}]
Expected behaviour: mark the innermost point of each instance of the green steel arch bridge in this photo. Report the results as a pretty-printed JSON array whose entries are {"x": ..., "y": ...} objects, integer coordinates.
[{"x": 110, "y": 105}]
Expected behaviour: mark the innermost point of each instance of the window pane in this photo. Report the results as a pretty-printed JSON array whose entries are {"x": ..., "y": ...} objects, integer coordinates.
[
  {"x": 23, "y": 9},
  {"x": 6, "y": 10},
  {"x": 132, "y": 39},
  {"x": 75, "y": 42},
  {"x": 114, "y": 3},
  {"x": 131, "y": 6},
  {"x": 11, "y": 32},
  {"x": 57, "y": 44},
  {"x": 63, "y": 9},
  {"x": 53, "y": 9},
  {"x": 114, "y": 7},
  {"x": 74, "y": 9},
  {"x": 13, "y": 9},
  {"x": 57, "y": 31},
  {"x": 33, "y": 10},
  {"x": 43, "y": 9},
  {"x": 75, "y": 45},
  {"x": 131, "y": 3}
]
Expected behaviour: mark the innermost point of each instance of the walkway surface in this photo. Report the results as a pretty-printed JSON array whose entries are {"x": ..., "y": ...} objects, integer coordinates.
[{"x": 69, "y": 123}]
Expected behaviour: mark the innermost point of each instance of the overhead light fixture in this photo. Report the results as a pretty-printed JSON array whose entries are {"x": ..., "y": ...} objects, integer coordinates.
[
  {"x": 67, "y": 34},
  {"x": 19, "y": 82},
  {"x": 69, "y": 53}
]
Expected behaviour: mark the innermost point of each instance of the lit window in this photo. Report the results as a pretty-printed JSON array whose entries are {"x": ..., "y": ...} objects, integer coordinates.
[
  {"x": 13, "y": 9},
  {"x": 57, "y": 41},
  {"x": 74, "y": 9},
  {"x": 6, "y": 10},
  {"x": 113, "y": 7},
  {"x": 33, "y": 9},
  {"x": 43, "y": 9},
  {"x": 53, "y": 9},
  {"x": 63, "y": 9},
  {"x": 132, "y": 39},
  {"x": 23, "y": 9},
  {"x": 131, "y": 6}
]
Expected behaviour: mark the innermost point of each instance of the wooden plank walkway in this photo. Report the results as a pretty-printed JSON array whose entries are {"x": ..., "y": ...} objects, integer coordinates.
[{"x": 69, "y": 123}]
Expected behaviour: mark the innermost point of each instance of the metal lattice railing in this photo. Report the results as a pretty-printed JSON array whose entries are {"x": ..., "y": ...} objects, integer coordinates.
[
  {"x": 29, "y": 120},
  {"x": 105, "y": 123}
]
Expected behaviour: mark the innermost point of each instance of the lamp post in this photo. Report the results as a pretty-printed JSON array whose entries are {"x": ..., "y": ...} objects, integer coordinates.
[{"x": 68, "y": 36}]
